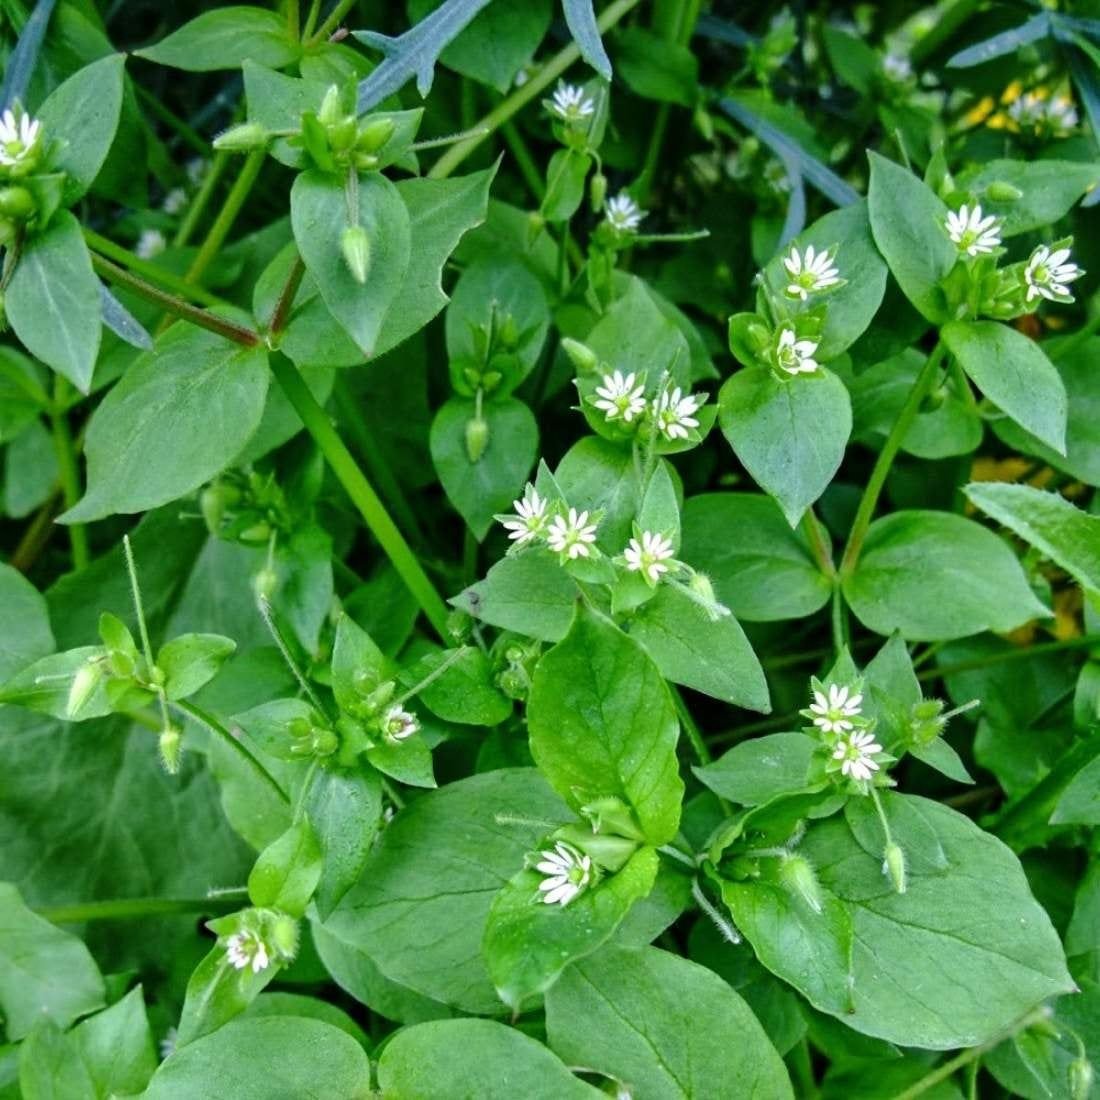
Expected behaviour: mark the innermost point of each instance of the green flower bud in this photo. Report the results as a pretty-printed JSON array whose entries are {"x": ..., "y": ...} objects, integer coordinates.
[
  {"x": 256, "y": 534},
  {"x": 8, "y": 230},
  {"x": 169, "y": 747},
  {"x": 597, "y": 192},
  {"x": 377, "y": 698},
  {"x": 798, "y": 876},
  {"x": 459, "y": 624},
  {"x": 477, "y": 437},
  {"x": 16, "y": 202},
  {"x": 581, "y": 355},
  {"x": 283, "y": 936},
  {"x": 331, "y": 107},
  {"x": 82, "y": 688},
  {"x": 342, "y": 133},
  {"x": 1081, "y": 1076},
  {"x": 926, "y": 721},
  {"x": 490, "y": 380},
  {"x": 613, "y": 816},
  {"x": 515, "y": 683},
  {"x": 264, "y": 583},
  {"x": 893, "y": 864},
  {"x": 472, "y": 376},
  {"x": 508, "y": 332},
  {"x": 1003, "y": 191},
  {"x": 355, "y": 245},
  {"x": 242, "y": 139},
  {"x": 375, "y": 133}
]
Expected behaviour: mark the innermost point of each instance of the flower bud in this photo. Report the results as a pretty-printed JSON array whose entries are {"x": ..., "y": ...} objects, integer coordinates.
[
  {"x": 264, "y": 583},
  {"x": 893, "y": 864},
  {"x": 581, "y": 355},
  {"x": 331, "y": 107},
  {"x": 378, "y": 697},
  {"x": 1081, "y": 1076},
  {"x": 926, "y": 721},
  {"x": 798, "y": 876},
  {"x": 459, "y": 624},
  {"x": 375, "y": 133},
  {"x": 515, "y": 683},
  {"x": 342, "y": 133},
  {"x": 169, "y": 747},
  {"x": 82, "y": 688},
  {"x": 1003, "y": 191},
  {"x": 477, "y": 437},
  {"x": 242, "y": 139},
  {"x": 16, "y": 202},
  {"x": 355, "y": 245},
  {"x": 283, "y": 937},
  {"x": 597, "y": 192}
]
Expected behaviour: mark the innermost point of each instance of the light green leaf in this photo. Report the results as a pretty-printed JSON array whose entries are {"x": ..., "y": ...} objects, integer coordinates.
[
  {"x": 176, "y": 419},
  {"x": 565, "y": 180},
  {"x": 664, "y": 1025},
  {"x": 116, "y": 1046},
  {"x": 763, "y": 768},
  {"x": 287, "y": 871},
  {"x": 789, "y": 435},
  {"x": 52, "y": 301},
  {"x": 1014, "y": 373},
  {"x": 25, "y": 633},
  {"x": 934, "y": 576},
  {"x": 464, "y": 692},
  {"x": 224, "y": 39},
  {"x": 191, "y": 660},
  {"x": 602, "y": 723}
]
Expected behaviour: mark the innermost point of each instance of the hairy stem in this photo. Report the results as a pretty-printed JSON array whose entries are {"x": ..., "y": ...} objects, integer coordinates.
[
  {"x": 131, "y": 909},
  {"x": 68, "y": 475}
]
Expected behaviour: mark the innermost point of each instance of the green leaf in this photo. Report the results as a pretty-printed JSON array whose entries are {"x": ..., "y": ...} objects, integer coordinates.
[
  {"x": 596, "y": 475},
  {"x": 529, "y": 943},
  {"x": 176, "y": 419},
  {"x": 499, "y": 41},
  {"x": 464, "y": 692},
  {"x": 82, "y": 115},
  {"x": 934, "y": 576},
  {"x": 217, "y": 993},
  {"x": 581, "y": 20},
  {"x": 768, "y": 572},
  {"x": 664, "y": 1025},
  {"x": 116, "y": 1046},
  {"x": 419, "y": 908},
  {"x": 452, "y": 1058},
  {"x": 30, "y": 471},
  {"x": 565, "y": 180},
  {"x": 656, "y": 67},
  {"x": 530, "y": 594},
  {"x": 763, "y": 768},
  {"x": 224, "y": 39},
  {"x": 44, "y": 972},
  {"x": 1050, "y": 188},
  {"x": 710, "y": 655},
  {"x": 358, "y": 665},
  {"x": 192, "y": 660},
  {"x": 1004, "y": 42},
  {"x": 25, "y": 633},
  {"x": 907, "y": 220},
  {"x": 287, "y": 871},
  {"x": 1014, "y": 373},
  {"x": 52, "y": 301},
  {"x": 846, "y": 233},
  {"x": 50, "y": 1066},
  {"x": 790, "y": 436},
  {"x": 482, "y": 488},
  {"x": 1079, "y": 803},
  {"x": 1058, "y": 530},
  {"x": 319, "y": 215},
  {"x": 602, "y": 723},
  {"x": 246, "y": 1056}
]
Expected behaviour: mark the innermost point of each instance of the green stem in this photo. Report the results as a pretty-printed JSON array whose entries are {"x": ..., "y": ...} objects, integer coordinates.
[
  {"x": 201, "y": 201},
  {"x": 819, "y": 544},
  {"x": 130, "y": 909},
  {"x": 235, "y": 744},
  {"x": 68, "y": 474},
  {"x": 953, "y": 1065},
  {"x": 190, "y": 135},
  {"x": 293, "y": 20},
  {"x": 154, "y": 273},
  {"x": 332, "y": 22},
  {"x": 528, "y": 169},
  {"x": 1020, "y": 653},
  {"x": 281, "y": 314},
  {"x": 177, "y": 306},
  {"x": 890, "y": 448},
  {"x": 523, "y": 95},
  {"x": 364, "y": 497},
  {"x": 838, "y": 618}
]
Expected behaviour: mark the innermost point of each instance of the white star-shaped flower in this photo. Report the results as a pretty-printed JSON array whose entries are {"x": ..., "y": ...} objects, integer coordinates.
[
  {"x": 399, "y": 724},
  {"x": 620, "y": 397},
  {"x": 835, "y": 708},
  {"x": 793, "y": 355},
  {"x": 857, "y": 751},
  {"x": 245, "y": 949},
  {"x": 1060, "y": 115},
  {"x": 530, "y": 518},
  {"x": 1047, "y": 274},
  {"x": 567, "y": 870},
  {"x": 897, "y": 67},
  {"x": 174, "y": 201},
  {"x": 810, "y": 271},
  {"x": 623, "y": 213},
  {"x": 971, "y": 232},
  {"x": 1031, "y": 111},
  {"x": 674, "y": 412},
  {"x": 648, "y": 556},
  {"x": 572, "y": 535},
  {"x": 151, "y": 243},
  {"x": 571, "y": 104},
  {"x": 18, "y": 138}
]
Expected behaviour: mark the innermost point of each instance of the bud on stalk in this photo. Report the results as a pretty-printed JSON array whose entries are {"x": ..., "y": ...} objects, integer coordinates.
[
  {"x": 355, "y": 245},
  {"x": 242, "y": 139}
]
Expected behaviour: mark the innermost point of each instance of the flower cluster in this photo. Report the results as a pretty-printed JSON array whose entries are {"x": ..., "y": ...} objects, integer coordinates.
[
  {"x": 836, "y": 712},
  {"x": 670, "y": 413},
  {"x": 567, "y": 532},
  {"x": 1035, "y": 114}
]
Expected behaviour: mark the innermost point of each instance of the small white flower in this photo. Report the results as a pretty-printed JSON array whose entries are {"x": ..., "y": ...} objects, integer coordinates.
[
  {"x": 1031, "y": 111},
  {"x": 971, "y": 232},
  {"x": 567, "y": 870},
  {"x": 1047, "y": 274},
  {"x": 648, "y": 557},
  {"x": 571, "y": 535},
  {"x": 897, "y": 67},
  {"x": 623, "y": 213},
  {"x": 793, "y": 355},
  {"x": 571, "y": 104},
  {"x": 1060, "y": 115},
  {"x": 857, "y": 751},
  {"x": 195, "y": 169},
  {"x": 620, "y": 397},
  {"x": 167, "y": 1045},
  {"x": 834, "y": 710},
  {"x": 399, "y": 724},
  {"x": 18, "y": 138},
  {"x": 174, "y": 201},
  {"x": 245, "y": 949},
  {"x": 530, "y": 518},
  {"x": 810, "y": 271},
  {"x": 674, "y": 412},
  {"x": 151, "y": 243}
]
